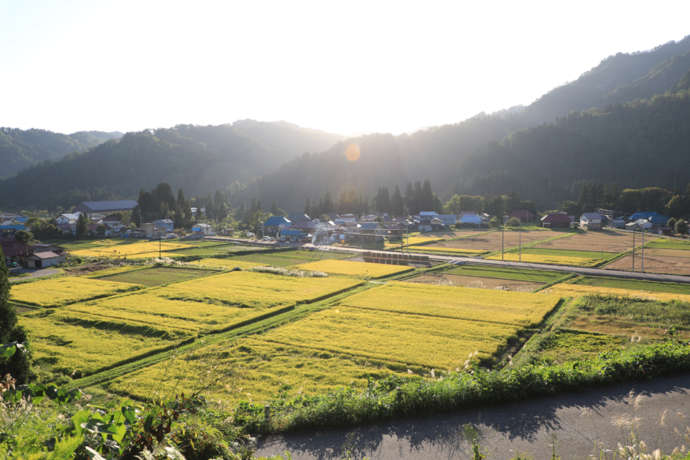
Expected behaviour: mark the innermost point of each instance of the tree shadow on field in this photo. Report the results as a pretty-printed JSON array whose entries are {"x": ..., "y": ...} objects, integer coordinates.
[{"x": 447, "y": 432}]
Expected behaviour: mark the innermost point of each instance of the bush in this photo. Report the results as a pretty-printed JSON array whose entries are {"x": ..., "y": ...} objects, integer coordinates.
[
  {"x": 681, "y": 227},
  {"x": 671, "y": 223},
  {"x": 513, "y": 222},
  {"x": 494, "y": 222}
]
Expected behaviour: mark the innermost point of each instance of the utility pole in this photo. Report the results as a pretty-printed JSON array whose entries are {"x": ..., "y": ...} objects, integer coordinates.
[
  {"x": 503, "y": 229},
  {"x": 520, "y": 245},
  {"x": 633, "y": 251},
  {"x": 642, "y": 260},
  {"x": 159, "y": 246}
]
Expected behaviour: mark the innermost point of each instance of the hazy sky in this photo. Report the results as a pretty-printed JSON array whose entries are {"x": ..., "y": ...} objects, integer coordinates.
[{"x": 349, "y": 67}]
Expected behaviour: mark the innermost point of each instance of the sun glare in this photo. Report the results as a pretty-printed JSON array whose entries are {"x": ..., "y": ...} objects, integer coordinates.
[{"x": 352, "y": 152}]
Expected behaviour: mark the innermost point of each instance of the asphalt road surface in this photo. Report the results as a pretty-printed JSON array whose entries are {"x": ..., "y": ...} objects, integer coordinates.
[{"x": 582, "y": 425}]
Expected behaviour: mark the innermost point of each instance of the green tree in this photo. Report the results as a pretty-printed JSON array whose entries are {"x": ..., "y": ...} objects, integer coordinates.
[
  {"x": 397, "y": 203},
  {"x": 23, "y": 236},
  {"x": 681, "y": 227},
  {"x": 10, "y": 333},
  {"x": 81, "y": 226}
]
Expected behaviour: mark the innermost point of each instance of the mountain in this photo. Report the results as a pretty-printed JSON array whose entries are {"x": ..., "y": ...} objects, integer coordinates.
[
  {"x": 199, "y": 159},
  {"x": 619, "y": 129},
  {"x": 617, "y": 79},
  {"x": 20, "y": 149}
]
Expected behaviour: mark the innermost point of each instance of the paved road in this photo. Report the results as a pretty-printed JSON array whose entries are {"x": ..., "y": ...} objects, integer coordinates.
[
  {"x": 582, "y": 424},
  {"x": 560, "y": 268}
]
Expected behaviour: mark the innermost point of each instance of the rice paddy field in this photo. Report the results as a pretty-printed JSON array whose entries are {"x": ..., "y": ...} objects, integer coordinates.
[
  {"x": 353, "y": 268},
  {"x": 154, "y": 276},
  {"x": 66, "y": 290},
  {"x": 139, "y": 249},
  {"x": 253, "y": 370},
  {"x": 669, "y": 261},
  {"x": 249, "y": 289},
  {"x": 556, "y": 256},
  {"x": 319, "y": 320}
]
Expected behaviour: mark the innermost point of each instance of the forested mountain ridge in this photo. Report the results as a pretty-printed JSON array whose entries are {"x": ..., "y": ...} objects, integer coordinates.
[
  {"x": 20, "y": 149},
  {"x": 617, "y": 79},
  {"x": 198, "y": 159}
]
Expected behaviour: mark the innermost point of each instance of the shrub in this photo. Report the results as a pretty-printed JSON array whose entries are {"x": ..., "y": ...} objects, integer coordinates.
[
  {"x": 681, "y": 227},
  {"x": 513, "y": 222}
]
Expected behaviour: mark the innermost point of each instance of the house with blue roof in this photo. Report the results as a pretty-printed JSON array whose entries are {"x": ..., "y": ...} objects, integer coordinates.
[
  {"x": 652, "y": 216},
  {"x": 275, "y": 224}
]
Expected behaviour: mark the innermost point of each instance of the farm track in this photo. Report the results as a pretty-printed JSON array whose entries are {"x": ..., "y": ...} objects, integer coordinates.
[{"x": 537, "y": 266}]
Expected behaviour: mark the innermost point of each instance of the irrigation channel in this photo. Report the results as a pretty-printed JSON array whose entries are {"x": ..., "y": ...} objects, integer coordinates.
[
  {"x": 530, "y": 265},
  {"x": 582, "y": 425}
]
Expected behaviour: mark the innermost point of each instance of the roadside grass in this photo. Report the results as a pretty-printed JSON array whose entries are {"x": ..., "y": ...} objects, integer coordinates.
[
  {"x": 516, "y": 274},
  {"x": 639, "y": 285},
  {"x": 54, "y": 292},
  {"x": 353, "y": 268},
  {"x": 155, "y": 276},
  {"x": 561, "y": 346}
]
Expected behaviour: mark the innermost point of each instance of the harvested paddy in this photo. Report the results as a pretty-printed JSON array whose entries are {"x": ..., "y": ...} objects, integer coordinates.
[
  {"x": 605, "y": 241},
  {"x": 448, "y": 279},
  {"x": 667, "y": 261},
  {"x": 491, "y": 241}
]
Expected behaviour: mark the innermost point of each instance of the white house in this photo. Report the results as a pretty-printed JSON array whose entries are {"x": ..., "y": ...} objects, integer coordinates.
[
  {"x": 591, "y": 221},
  {"x": 203, "y": 229}
]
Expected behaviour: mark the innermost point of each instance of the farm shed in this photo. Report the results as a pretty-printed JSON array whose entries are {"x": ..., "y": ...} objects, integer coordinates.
[{"x": 44, "y": 259}]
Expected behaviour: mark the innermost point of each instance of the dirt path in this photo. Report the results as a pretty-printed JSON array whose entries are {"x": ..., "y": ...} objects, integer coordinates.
[
  {"x": 582, "y": 424},
  {"x": 36, "y": 274}
]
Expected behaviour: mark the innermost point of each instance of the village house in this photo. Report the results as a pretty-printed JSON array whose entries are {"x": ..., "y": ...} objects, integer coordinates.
[
  {"x": 591, "y": 221},
  {"x": 556, "y": 220},
  {"x": 525, "y": 215},
  {"x": 470, "y": 219},
  {"x": 203, "y": 229},
  {"x": 275, "y": 224}
]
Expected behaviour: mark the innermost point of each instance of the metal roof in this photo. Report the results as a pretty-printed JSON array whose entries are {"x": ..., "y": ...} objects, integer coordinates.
[{"x": 117, "y": 205}]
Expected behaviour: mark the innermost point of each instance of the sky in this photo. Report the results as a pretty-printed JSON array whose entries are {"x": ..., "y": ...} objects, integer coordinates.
[{"x": 349, "y": 67}]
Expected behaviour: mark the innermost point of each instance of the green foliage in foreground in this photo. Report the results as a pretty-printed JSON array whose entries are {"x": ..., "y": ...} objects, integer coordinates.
[
  {"x": 399, "y": 397},
  {"x": 43, "y": 422}
]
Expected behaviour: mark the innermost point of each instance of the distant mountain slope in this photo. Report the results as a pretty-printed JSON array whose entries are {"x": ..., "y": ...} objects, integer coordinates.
[
  {"x": 643, "y": 143},
  {"x": 620, "y": 78},
  {"x": 199, "y": 159},
  {"x": 20, "y": 149}
]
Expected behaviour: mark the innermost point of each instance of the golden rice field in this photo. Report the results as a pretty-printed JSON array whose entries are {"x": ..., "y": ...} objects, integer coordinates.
[
  {"x": 148, "y": 308},
  {"x": 226, "y": 263},
  {"x": 61, "y": 291},
  {"x": 250, "y": 289},
  {"x": 547, "y": 259},
  {"x": 441, "y": 343},
  {"x": 61, "y": 346},
  {"x": 445, "y": 250},
  {"x": 414, "y": 240},
  {"x": 353, "y": 268},
  {"x": 573, "y": 290},
  {"x": 249, "y": 369},
  {"x": 142, "y": 249},
  {"x": 517, "y": 308}
]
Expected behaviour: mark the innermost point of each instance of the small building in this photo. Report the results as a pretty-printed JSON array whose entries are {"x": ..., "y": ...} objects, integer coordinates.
[
  {"x": 555, "y": 220},
  {"x": 291, "y": 234},
  {"x": 44, "y": 259},
  {"x": 591, "y": 221},
  {"x": 106, "y": 206},
  {"x": 203, "y": 229},
  {"x": 275, "y": 224},
  {"x": 163, "y": 225}
]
